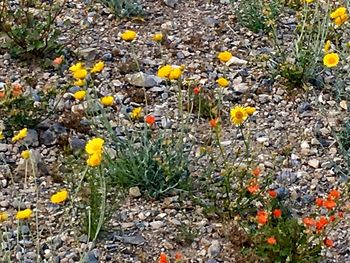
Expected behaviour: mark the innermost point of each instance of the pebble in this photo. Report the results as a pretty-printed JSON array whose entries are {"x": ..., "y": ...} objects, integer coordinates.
[
  {"x": 214, "y": 249},
  {"x": 314, "y": 163},
  {"x": 134, "y": 192},
  {"x": 157, "y": 224}
]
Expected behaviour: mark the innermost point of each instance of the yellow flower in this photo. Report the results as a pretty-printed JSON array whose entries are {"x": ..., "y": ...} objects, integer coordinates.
[
  {"x": 76, "y": 67},
  {"x": 94, "y": 160},
  {"x": 223, "y": 83},
  {"x": 3, "y": 216},
  {"x": 224, "y": 56},
  {"x": 331, "y": 60},
  {"x": 1, "y": 135},
  {"x": 21, "y": 135},
  {"x": 250, "y": 110},
  {"x": 327, "y": 46},
  {"x": 59, "y": 197},
  {"x": 238, "y": 115},
  {"x": 98, "y": 67},
  {"x": 163, "y": 72},
  {"x": 23, "y": 214},
  {"x": 94, "y": 146},
  {"x": 175, "y": 73},
  {"x": 339, "y": 16},
  {"x": 25, "y": 154},
  {"x": 80, "y": 73},
  {"x": 79, "y": 82},
  {"x": 128, "y": 35},
  {"x": 79, "y": 95},
  {"x": 107, "y": 100},
  {"x": 309, "y": 1},
  {"x": 136, "y": 113},
  {"x": 157, "y": 37}
]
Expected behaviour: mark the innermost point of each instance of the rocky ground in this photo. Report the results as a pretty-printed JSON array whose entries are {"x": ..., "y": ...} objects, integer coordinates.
[{"x": 141, "y": 228}]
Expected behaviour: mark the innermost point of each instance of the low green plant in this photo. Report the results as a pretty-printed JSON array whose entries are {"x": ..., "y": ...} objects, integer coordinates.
[
  {"x": 30, "y": 28},
  {"x": 125, "y": 8},
  {"x": 343, "y": 139}
]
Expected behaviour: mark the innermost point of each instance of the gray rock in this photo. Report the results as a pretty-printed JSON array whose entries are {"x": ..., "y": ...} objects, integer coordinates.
[
  {"x": 209, "y": 21},
  {"x": 88, "y": 54},
  {"x": 91, "y": 257},
  {"x": 214, "y": 249},
  {"x": 48, "y": 138},
  {"x": 141, "y": 79},
  {"x": 24, "y": 229},
  {"x": 58, "y": 128},
  {"x": 133, "y": 240},
  {"x": 5, "y": 170},
  {"x": 171, "y": 3},
  {"x": 32, "y": 138},
  {"x": 76, "y": 143},
  {"x": 3, "y": 147},
  {"x": 35, "y": 166},
  {"x": 305, "y": 106},
  {"x": 107, "y": 56},
  {"x": 157, "y": 224},
  {"x": 57, "y": 243}
]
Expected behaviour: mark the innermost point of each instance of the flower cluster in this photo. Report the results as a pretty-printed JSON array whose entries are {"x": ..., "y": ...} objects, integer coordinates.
[
  {"x": 240, "y": 114},
  {"x": 94, "y": 148},
  {"x": 170, "y": 72}
]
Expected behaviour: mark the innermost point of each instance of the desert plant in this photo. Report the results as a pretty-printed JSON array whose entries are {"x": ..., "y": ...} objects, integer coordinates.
[{"x": 124, "y": 8}]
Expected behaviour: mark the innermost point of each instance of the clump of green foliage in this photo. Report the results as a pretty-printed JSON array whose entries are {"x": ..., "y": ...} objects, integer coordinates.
[
  {"x": 124, "y": 8},
  {"x": 30, "y": 28}
]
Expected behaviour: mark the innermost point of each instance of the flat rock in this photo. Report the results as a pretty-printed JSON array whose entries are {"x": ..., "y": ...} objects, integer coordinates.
[{"x": 141, "y": 79}]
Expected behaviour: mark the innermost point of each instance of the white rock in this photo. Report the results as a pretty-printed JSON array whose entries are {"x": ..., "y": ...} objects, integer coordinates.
[
  {"x": 236, "y": 61},
  {"x": 157, "y": 224},
  {"x": 314, "y": 163}
]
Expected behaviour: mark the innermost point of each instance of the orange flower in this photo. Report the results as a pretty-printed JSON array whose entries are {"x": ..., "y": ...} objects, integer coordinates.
[
  {"x": 277, "y": 213},
  {"x": 334, "y": 194},
  {"x": 214, "y": 122},
  {"x": 271, "y": 241},
  {"x": 57, "y": 61},
  {"x": 150, "y": 119},
  {"x": 321, "y": 223},
  {"x": 178, "y": 257},
  {"x": 328, "y": 242},
  {"x": 319, "y": 201},
  {"x": 256, "y": 172},
  {"x": 16, "y": 89},
  {"x": 163, "y": 258},
  {"x": 196, "y": 90},
  {"x": 329, "y": 204},
  {"x": 341, "y": 214},
  {"x": 253, "y": 188},
  {"x": 262, "y": 217},
  {"x": 272, "y": 193},
  {"x": 332, "y": 218},
  {"x": 308, "y": 221},
  {"x": 2, "y": 94}
]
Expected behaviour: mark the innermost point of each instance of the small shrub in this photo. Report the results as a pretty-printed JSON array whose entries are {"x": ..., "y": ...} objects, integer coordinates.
[
  {"x": 124, "y": 8},
  {"x": 30, "y": 28}
]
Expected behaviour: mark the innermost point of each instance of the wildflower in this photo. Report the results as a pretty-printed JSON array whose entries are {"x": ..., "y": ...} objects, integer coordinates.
[
  {"x": 327, "y": 46},
  {"x": 222, "y": 82},
  {"x": 309, "y": 1},
  {"x": 164, "y": 71},
  {"x": 136, "y": 113},
  {"x": 224, "y": 56},
  {"x": 128, "y": 35},
  {"x": 196, "y": 90},
  {"x": 150, "y": 119},
  {"x": 175, "y": 73},
  {"x": 328, "y": 242},
  {"x": 334, "y": 194},
  {"x": 25, "y": 154},
  {"x": 2, "y": 94},
  {"x": 319, "y": 202},
  {"x": 262, "y": 217},
  {"x": 308, "y": 221},
  {"x": 59, "y": 197},
  {"x": 332, "y": 218},
  {"x": 158, "y": 37},
  {"x": 76, "y": 67},
  {"x": 321, "y": 223},
  {"x": 277, "y": 213},
  {"x": 331, "y": 60},
  {"x": 23, "y": 214},
  {"x": 163, "y": 258},
  {"x": 1, "y": 135},
  {"x": 79, "y": 95},
  {"x": 79, "y": 82},
  {"x": 94, "y": 146},
  {"x": 339, "y": 16},
  {"x": 80, "y": 73},
  {"x": 329, "y": 204},
  {"x": 238, "y": 115},
  {"x": 58, "y": 61},
  {"x": 178, "y": 257},
  {"x": 250, "y": 110},
  {"x": 341, "y": 214},
  {"x": 271, "y": 241},
  {"x": 107, "y": 100},
  {"x": 20, "y": 135},
  {"x": 256, "y": 171},
  {"x": 16, "y": 89},
  {"x": 3, "y": 216},
  {"x": 214, "y": 122},
  {"x": 272, "y": 193},
  {"x": 253, "y": 188},
  {"x": 98, "y": 67},
  {"x": 94, "y": 160}
]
